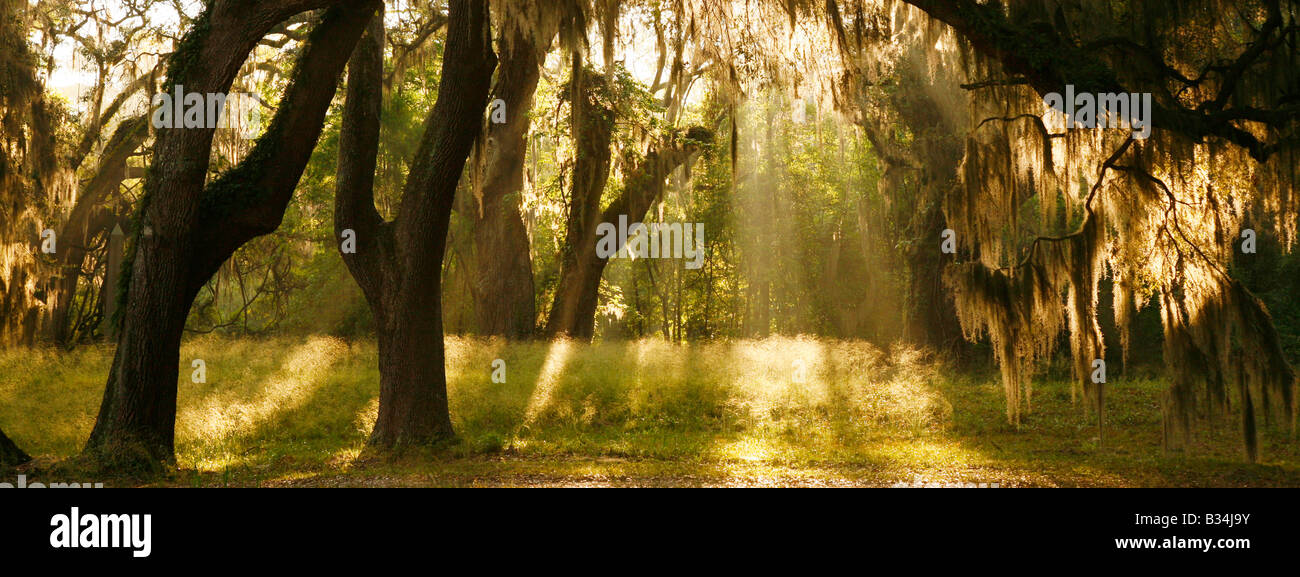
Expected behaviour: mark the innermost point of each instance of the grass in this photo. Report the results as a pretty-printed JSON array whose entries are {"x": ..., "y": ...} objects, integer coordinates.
[{"x": 295, "y": 412}]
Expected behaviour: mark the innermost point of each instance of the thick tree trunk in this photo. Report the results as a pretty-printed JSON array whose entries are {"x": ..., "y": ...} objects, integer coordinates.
[
  {"x": 10, "y": 454},
  {"x": 503, "y": 274},
  {"x": 189, "y": 230},
  {"x": 506, "y": 304},
  {"x": 412, "y": 377},
  {"x": 398, "y": 265},
  {"x": 136, "y": 422}
]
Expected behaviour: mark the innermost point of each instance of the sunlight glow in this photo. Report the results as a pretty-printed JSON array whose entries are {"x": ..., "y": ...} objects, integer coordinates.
[
  {"x": 299, "y": 376},
  {"x": 556, "y": 359}
]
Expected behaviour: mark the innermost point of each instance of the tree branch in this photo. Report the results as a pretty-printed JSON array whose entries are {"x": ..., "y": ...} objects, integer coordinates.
[{"x": 250, "y": 200}]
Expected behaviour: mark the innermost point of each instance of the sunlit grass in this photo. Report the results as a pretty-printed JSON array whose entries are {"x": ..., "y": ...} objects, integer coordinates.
[{"x": 757, "y": 412}]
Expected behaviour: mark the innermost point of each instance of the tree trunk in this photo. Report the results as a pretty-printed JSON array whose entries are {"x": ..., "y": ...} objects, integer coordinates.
[
  {"x": 506, "y": 304},
  {"x": 412, "y": 377},
  {"x": 930, "y": 316},
  {"x": 87, "y": 221},
  {"x": 10, "y": 454},
  {"x": 928, "y": 165},
  {"x": 398, "y": 264},
  {"x": 503, "y": 275},
  {"x": 573, "y": 313},
  {"x": 188, "y": 230}
]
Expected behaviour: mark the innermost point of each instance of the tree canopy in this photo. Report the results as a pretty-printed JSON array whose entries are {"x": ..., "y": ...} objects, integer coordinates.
[{"x": 442, "y": 167}]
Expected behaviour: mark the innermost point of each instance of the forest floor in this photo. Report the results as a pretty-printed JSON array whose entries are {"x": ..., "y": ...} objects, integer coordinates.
[{"x": 776, "y": 412}]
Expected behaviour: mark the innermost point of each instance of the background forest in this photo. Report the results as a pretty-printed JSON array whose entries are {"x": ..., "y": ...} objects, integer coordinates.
[{"x": 467, "y": 151}]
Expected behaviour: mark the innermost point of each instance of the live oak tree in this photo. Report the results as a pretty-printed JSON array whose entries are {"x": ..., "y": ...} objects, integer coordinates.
[
  {"x": 112, "y": 43},
  {"x": 88, "y": 223},
  {"x": 1152, "y": 218},
  {"x": 595, "y": 105},
  {"x": 188, "y": 227},
  {"x": 502, "y": 285},
  {"x": 85, "y": 172},
  {"x": 398, "y": 263},
  {"x": 1156, "y": 217},
  {"x": 1228, "y": 111},
  {"x": 920, "y": 167},
  {"x": 504, "y": 300}
]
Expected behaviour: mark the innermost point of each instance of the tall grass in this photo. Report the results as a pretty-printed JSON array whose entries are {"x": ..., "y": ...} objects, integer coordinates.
[{"x": 287, "y": 408}]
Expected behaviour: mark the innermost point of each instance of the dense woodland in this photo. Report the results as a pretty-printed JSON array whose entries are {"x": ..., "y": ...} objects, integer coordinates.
[{"x": 421, "y": 169}]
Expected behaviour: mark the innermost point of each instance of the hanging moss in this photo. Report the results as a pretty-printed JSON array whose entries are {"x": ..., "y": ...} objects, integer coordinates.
[
  {"x": 189, "y": 53},
  {"x": 33, "y": 183}
]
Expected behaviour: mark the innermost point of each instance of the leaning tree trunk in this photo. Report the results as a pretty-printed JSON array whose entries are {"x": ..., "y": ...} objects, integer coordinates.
[
  {"x": 576, "y": 297},
  {"x": 574, "y": 308},
  {"x": 503, "y": 275},
  {"x": 398, "y": 264},
  {"x": 188, "y": 230},
  {"x": 10, "y": 454},
  {"x": 573, "y": 313},
  {"x": 87, "y": 221}
]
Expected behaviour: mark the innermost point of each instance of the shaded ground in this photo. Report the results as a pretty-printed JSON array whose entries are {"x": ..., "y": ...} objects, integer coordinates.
[{"x": 776, "y": 412}]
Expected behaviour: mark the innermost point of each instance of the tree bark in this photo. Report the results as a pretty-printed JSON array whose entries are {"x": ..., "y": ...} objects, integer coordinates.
[
  {"x": 930, "y": 316},
  {"x": 398, "y": 264},
  {"x": 188, "y": 230},
  {"x": 503, "y": 274}
]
